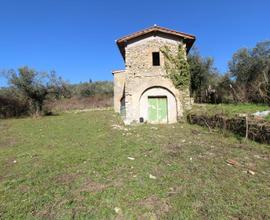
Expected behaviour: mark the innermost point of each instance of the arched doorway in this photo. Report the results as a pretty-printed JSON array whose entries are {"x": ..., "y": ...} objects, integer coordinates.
[{"x": 158, "y": 105}]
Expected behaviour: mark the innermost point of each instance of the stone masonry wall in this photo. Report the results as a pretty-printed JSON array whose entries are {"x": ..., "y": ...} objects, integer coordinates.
[{"x": 119, "y": 83}]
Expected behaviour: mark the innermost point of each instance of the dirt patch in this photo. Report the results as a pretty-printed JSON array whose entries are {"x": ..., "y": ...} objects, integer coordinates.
[
  {"x": 66, "y": 178},
  {"x": 8, "y": 142},
  {"x": 195, "y": 132},
  {"x": 49, "y": 211},
  {"x": 117, "y": 183},
  {"x": 91, "y": 186},
  {"x": 173, "y": 149},
  {"x": 251, "y": 165},
  {"x": 262, "y": 157},
  {"x": 10, "y": 162},
  {"x": 241, "y": 146},
  {"x": 24, "y": 188},
  {"x": 175, "y": 190},
  {"x": 156, "y": 205},
  {"x": 158, "y": 170},
  {"x": 44, "y": 214},
  {"x": 119, "y": 127},
  {"x": 206, "y": 155}
]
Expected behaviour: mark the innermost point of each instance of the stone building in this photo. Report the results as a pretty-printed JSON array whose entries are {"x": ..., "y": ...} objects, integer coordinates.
[{"x": 142, "y": 92}]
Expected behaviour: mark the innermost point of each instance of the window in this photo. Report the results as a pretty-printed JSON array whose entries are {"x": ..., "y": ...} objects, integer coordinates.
[{"x": 156, "y": 59}]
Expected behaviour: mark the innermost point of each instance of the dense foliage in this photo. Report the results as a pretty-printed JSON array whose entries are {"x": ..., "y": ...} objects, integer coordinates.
[
  {"x": 247, "y": 79},
  {"x": 250, "y": 71},
  {"x": 203, "y": 77},
  {"x": 35, "y": 87},
  {"x": 177, "y": 67},
  {"x": 12, "y": 104}
]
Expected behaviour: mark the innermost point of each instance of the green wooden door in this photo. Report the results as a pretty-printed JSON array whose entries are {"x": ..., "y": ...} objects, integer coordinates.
[
  {"x": 152, "y": 109},
  {"x": 162, "y": 110},
  {"x": 157, "y": 109}
]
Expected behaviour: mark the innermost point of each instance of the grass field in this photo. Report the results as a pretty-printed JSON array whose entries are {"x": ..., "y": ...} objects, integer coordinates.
[
  {"x": 76, "y": 166},
  {"x": 229, "y": 109}
]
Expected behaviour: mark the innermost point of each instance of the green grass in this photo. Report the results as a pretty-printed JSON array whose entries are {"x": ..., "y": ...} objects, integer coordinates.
[
  {"x": 228, "y": 109},
  {"x": 77, "y": 166}
]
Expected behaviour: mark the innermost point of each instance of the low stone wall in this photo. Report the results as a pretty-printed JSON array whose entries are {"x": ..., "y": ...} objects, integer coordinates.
[{"x": 255, "y": 129}]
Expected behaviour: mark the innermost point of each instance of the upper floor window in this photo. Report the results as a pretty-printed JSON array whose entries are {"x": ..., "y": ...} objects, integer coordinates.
[{"x": 156, "y": 59}]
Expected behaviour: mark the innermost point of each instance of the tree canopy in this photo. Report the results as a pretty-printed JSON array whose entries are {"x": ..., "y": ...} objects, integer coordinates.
[
  {"x": 36, "y": 86},
  {"x": 250, "y": 70}
]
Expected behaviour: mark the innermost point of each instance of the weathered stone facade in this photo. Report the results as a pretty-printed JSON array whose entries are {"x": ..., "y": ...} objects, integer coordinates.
[{"x": 141, "y": 79}]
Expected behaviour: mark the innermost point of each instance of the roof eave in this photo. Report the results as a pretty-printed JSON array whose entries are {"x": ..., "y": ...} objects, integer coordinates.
[{"x": 121, "y": 47}]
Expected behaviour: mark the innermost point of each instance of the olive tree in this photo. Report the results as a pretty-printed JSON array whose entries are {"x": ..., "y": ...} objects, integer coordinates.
[
  {"x": 35, "y": 86},
  {"x": 250, "y": 69}
]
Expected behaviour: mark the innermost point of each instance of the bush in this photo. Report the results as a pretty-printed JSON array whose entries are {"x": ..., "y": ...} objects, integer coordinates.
[
  {"x": 12, "y": 105},
  {"x": 36, "y": 87},
  {"x": 87, "y": 89}
]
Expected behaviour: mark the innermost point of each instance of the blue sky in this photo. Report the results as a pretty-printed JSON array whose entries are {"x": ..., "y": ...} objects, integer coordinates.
[{"x": 77, "y": 37}]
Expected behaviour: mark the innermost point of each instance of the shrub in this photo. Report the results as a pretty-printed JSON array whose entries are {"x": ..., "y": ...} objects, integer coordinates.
[
  {"x": 12, "y": 104},
  {"x": 35, "y": 87}
]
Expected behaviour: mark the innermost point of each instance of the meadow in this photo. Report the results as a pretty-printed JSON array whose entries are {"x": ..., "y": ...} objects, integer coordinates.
[{"x": 82, "y": 165}]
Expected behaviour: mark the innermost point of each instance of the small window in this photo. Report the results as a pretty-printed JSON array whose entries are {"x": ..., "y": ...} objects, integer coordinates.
[{"x": 156, "y": 59}]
